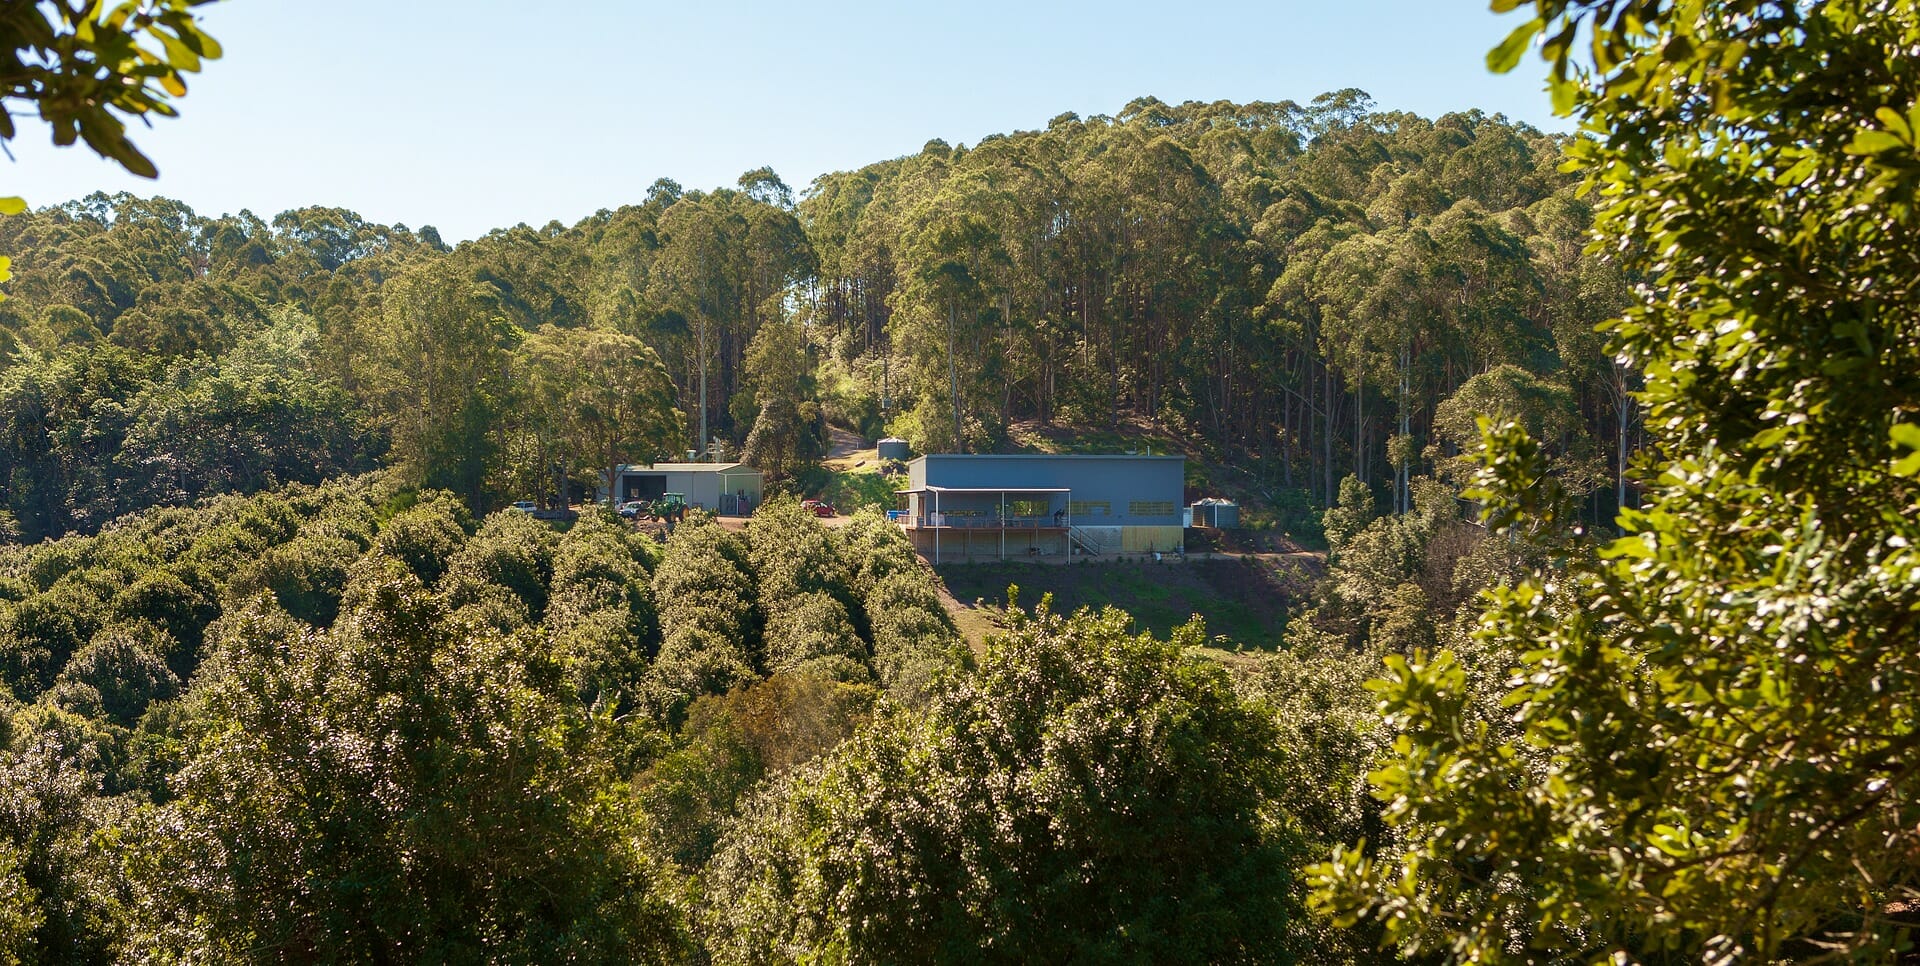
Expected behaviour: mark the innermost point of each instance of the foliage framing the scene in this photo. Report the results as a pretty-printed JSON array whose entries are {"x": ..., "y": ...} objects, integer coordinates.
[
  {"x": 86, "y": 66},
  {"x": 1713, "y": 749}
]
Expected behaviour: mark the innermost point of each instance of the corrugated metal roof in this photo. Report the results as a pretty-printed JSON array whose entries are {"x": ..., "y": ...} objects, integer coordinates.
[
  {"x": 987, "y": 489},
  {"x": 686, "y": 468},
  {"x": 1045, "y": 456}
]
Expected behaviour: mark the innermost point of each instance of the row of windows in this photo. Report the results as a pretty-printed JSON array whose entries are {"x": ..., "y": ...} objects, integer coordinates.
[
  {"x": 1138, "y": 508},
  {"x": 1079, "y": 508},
  {"x": 1093, "y": 507}
]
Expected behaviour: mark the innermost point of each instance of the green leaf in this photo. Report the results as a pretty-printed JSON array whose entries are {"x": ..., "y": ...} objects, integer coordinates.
[
  {"x": 1507, "y": 56},
  {"x": 179, "y": 55},
  {"x": 1874, "y": 142},
  {"x": 1564, "y": 93},
  {"x": 1907, "y": 435},
  {"x": 135, "y": 162},
  {"x": 1895, "y": 123}
]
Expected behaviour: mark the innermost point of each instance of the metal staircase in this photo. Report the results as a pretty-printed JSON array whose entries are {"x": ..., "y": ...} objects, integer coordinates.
[{"x": 1085, "y": 542}]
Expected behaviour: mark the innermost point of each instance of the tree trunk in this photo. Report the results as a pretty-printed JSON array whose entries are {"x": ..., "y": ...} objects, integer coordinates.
[
  {"x": 1359, "y": 430},
  {"x": 701, "y": 441},
  {"x": 953, "y": 374},
  {"x": 1326, "y": 435},
  {"x": 1406, "y": 430}
]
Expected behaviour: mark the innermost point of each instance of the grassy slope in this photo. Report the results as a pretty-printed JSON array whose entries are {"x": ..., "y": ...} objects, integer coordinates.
[
  {"x": 1244, "y": 599},
  {"x": 850, "y": 478},
  {"x": 850, "y": 486}
]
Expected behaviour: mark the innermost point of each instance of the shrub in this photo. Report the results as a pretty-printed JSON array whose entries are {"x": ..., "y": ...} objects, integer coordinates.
[
  {"x": 1069, "y": 802},
  {"x": 126, "y": 668}
]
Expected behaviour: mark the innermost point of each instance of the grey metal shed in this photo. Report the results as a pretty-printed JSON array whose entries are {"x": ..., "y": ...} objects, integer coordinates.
[{"x": 730, "y": 489}]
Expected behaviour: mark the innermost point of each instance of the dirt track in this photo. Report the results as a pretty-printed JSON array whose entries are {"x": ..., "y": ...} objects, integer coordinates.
[{"x": 842, "y": 444}]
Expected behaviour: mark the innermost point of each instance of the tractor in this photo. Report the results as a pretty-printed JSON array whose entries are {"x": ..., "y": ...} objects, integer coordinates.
[{"x": 669, "y": 508}]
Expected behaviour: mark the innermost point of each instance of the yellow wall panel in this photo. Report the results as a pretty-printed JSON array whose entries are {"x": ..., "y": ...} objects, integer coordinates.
[{"x": 1145, "y": 539}]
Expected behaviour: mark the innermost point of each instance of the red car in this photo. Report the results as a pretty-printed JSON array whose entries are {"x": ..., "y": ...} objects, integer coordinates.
[{"x": 820, "y": 508}]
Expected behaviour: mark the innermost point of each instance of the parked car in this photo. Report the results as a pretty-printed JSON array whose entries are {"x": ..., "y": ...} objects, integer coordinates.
[
  {"x": 632, "y": 508},
  {"x": 525, "y": 506},
  {"x": 819, "y": 508}
]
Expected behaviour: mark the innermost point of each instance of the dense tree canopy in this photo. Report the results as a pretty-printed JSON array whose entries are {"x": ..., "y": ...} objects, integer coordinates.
[{"x": 348, "y": 722}]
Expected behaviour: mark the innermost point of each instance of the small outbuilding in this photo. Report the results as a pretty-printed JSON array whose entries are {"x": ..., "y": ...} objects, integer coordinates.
[
  {"x": 1217, "y": 513},
  {"x": 992, "y": 506},
  {"x": 729, "y": 489}
]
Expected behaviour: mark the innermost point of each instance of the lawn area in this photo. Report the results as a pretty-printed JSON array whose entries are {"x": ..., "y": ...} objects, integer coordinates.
[{"x": 1244, "y": 599}]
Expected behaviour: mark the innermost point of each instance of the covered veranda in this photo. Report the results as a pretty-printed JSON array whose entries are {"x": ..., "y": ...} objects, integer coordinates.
[{"x": 944, "y": 521}]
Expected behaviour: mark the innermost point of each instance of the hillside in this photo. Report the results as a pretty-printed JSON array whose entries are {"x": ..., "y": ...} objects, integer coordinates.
[{"x": 154, "y": 355}]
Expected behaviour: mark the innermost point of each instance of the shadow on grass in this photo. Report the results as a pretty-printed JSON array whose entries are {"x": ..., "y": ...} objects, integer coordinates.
[{"x": 1242, "y": 600}]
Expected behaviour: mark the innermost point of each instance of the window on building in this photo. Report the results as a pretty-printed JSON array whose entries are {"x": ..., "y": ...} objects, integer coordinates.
[
  {"x": 1089, "y": 508},
  {"x": 1027, "y": 508},
  {"x": 1150, "y": 508}
]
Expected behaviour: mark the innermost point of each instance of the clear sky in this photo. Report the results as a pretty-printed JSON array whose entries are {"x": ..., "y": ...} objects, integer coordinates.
[{"x": 482, "y": 114}]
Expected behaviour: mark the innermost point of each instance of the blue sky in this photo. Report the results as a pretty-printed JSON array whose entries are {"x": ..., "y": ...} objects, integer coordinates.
[{"x": 475, "y": 115}]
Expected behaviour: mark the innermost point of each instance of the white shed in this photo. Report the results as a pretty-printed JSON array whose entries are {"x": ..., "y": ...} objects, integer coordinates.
[{"x": 730, "y": 489}]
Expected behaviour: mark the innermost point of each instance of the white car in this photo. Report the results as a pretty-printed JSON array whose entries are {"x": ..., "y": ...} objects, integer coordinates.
[{"x": 525, "y": 506}]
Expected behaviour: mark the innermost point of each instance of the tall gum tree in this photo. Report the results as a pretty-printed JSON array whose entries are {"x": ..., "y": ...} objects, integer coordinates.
[{"x": 600, "y": 398}]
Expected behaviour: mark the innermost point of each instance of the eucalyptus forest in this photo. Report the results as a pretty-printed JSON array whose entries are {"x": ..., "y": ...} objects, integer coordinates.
[
  {"x": 1602, "y": 448},
  {"x": 1237, "y": 275}
]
